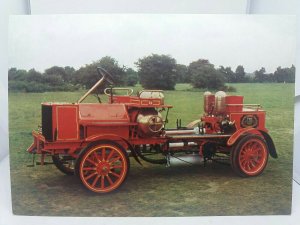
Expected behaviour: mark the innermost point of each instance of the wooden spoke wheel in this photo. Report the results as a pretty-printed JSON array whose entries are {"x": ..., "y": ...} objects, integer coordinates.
[
  {"x": 249, "y": 156},
  {"x": 103, "y": 167},
  {"x": 65, "y": 164}
]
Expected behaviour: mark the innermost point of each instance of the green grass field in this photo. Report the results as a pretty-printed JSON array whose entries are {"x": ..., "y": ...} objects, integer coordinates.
[{"x": 154, "y": 190}]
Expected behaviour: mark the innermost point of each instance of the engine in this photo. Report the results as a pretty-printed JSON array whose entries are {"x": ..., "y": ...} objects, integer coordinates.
[
  {"x": 150, "y": 123},
  {"x": 225, "y": 114}
]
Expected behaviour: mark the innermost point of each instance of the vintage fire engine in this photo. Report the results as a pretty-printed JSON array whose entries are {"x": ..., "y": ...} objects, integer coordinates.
[{"x": 94, "y": 140}]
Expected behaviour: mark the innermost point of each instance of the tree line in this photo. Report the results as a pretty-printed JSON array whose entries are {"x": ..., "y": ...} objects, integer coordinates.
[{"x": 153, "y": 72}]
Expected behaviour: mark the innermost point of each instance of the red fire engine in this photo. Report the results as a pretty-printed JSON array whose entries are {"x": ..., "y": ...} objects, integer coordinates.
[{"x": 94, "y": 140}]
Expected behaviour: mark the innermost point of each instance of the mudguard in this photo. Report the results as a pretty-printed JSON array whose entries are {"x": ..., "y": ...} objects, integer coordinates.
[
  {"x": 268, "y": 139},
  {"x": 113, "y": 137},
  {"x": 270, "y": 143},
  {"x": 239, "y": 133}
]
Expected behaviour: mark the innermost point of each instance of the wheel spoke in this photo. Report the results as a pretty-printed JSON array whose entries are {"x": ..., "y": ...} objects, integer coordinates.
[
  {"x": 243, "y": 163},
  {"x": 115, "y": 159},
  {"x": 96, "y": 157},
  {"x": 91, "y": 161},
  {"x": 255, "y": 151},
  {"x": 247, "y": 148},
  {"x": 95, "y": 180},
  {"x": 102, "y": 182},
  {"x": 90, "y": 176},
  {"x": 110, "y": 154},
  {"x": 103, "y": 154},
  {"x": 109, "y": 180},
  {"x": 256, "y": 160},
  {"x": 252, "y": 163},
  {"x": 248, "y": 165},
  {"x": 243, "y": 153},
  {"x": 115, "y": 174},
  {"x": 103, "y": 167},
  {"x": 89, "y": 168},
  {"x": 252, "y": 156},
  {"x": 117, "y": 166},
  {"x": 257, "y": 148}
]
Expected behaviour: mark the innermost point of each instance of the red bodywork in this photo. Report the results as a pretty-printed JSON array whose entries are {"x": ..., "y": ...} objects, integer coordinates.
[
  {"x": 133, "y": 123},
  {"x": 76, "y": 125}
]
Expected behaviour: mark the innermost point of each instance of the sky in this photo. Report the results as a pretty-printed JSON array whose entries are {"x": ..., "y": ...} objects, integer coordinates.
[{"x": 256, "y": 41}]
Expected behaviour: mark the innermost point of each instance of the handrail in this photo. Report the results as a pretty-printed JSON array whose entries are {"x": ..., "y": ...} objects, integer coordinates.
[
  {"x": 150, "y": 91},
  {"x": 243, "y": 104},
  {"x": 129, "y": 91},
  {"x": 257, "y": 106}
]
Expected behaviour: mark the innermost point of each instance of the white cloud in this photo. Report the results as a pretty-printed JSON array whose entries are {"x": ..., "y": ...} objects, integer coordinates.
[{"x": 74, "y": 40}]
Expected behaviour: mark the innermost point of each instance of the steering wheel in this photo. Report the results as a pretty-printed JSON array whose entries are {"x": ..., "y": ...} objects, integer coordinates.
[{"x": 107, "y": 76}]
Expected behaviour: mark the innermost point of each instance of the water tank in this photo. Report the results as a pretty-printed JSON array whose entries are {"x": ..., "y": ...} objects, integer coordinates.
[{"x": 220, "y": 106}]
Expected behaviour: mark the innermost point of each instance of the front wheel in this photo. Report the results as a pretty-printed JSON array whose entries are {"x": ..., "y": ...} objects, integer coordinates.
[
  {"x": 102, "y": 167},
  {"x": 249, "y": 156}
]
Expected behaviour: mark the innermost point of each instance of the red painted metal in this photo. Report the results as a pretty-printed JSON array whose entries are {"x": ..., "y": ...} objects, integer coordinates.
[
  {"x": 237, "y": 117},
  {"x": 211, "y": 124},
  {"x": 238, "y": 134},
  {"x": 72, "y": 128},
  {"x": 253, "y": 157},
  {"x": 67, "y": 123},
  {"x": 103, "y": 168},
  {"x": 234, "y": 103}
]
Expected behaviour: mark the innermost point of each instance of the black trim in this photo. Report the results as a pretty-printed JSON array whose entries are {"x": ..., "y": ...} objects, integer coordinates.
[
  {"x": 47, "y": 130},
  {"x": 270, "y": 143}
]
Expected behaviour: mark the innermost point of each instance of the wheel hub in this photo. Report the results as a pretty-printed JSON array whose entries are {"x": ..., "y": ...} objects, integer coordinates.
[
  {"x": 103, "y": 168},
  {"x": 249, "y": 155}
]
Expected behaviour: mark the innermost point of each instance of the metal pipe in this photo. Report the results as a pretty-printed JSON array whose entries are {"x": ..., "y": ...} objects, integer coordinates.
[
  {"x": 171, "y": 132},
  {"x": 197, "y": 136},
  {"x": 243, "y": 105},
  {"x": 181, "y": 144},
  {"x": 190, "y": 159}
]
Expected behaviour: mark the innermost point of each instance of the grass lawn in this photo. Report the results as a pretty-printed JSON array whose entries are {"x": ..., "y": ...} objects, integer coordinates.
[{"x": 154, "y": 190}]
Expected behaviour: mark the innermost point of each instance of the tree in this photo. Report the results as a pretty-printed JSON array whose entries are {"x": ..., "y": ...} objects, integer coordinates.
[
  {"x": 34, "y": 76},
  {"x": 285, "y": 75},
  {"x": 157, "y": 72},
  {"x": 181, "y": 73},
  {"x": 131, "y": 77},
  {"x": 112, "y": 66},
  {"x": 55, "y": 75},
  {"x": 260, "y": 75},
  {"x": 54, "y": 80},
  {"x": 228, "y": 74},
  {"x": 204, "y": 75},
  {"x": 12, "y": 73},
  {"x": 87, "y": 76},
  {"x": 233, "y": 77},
  {"x": 16, "y": 74},
  {"x": 240, "y": 74},
  {"x": 69, "y": 73}
]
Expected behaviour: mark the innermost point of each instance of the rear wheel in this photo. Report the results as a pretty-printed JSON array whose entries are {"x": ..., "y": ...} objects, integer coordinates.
[
  {"x": 102, "y": 167},
  {"x": 64, "y": 163},
  {"x": 249, "y": 156}
]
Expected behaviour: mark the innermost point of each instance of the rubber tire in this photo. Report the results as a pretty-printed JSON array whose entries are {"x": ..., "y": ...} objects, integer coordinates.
[
  {"x": 85, "y": 151},
  {"x": 234, "y": 155},
  {"x": 60, "y": 166}
]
